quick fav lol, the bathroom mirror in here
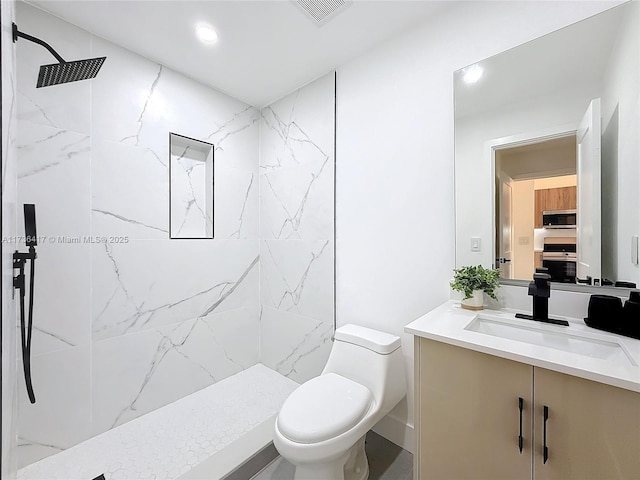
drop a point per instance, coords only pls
(190, 187)
(547, 154)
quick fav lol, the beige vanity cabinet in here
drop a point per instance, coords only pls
(593, 429)
(481, 417)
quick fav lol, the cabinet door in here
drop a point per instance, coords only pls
(468, 414)
(593, 430)
(539, 207)
(562, 198)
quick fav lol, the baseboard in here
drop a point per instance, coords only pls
(396, 431)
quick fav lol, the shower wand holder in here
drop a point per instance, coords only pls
(19, 261)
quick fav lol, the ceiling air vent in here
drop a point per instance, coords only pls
(321, 11)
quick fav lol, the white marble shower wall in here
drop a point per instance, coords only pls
(297, 164)
(9, 243)
(125, 319)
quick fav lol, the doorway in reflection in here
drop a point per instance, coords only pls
(536, 203)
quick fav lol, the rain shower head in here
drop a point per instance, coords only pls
(65, 72)
(62, 72)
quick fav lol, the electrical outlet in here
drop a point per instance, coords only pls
(523, 240)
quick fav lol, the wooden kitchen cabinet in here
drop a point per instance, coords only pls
(468, 420)
(537, 259)
(563, 198)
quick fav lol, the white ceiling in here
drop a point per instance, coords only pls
(266, 48)
(572, 57)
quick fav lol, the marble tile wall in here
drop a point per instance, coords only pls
(125, 319)
(297, 245)
(9, 244)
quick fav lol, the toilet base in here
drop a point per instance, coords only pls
(353, 465)
(357, 466)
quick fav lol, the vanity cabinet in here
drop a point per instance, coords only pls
(479, 416)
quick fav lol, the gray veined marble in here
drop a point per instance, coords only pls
(297, 276)
(191, 189)
(132, 372)
(41, 111)
(140, 121)
(290, 135)
(297, 230)
(297, 164)
(57, 337)
(290, 297)
(9, 137)
(238, 123)
(128, 220)
(293, 210)
(126, 301)
(304, 348)
(238, 233)
(131, 204)
(166, 344)
(66, 145)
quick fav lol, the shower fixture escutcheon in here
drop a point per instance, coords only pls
(63, 71)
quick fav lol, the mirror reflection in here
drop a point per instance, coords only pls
(548, 155)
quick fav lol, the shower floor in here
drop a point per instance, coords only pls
(215, 429)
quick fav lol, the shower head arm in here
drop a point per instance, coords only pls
(17, 33)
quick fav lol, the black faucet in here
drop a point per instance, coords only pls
(540, 290)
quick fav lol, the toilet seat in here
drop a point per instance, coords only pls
(323, 408)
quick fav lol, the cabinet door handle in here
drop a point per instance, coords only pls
(520, 406)
(545, 450)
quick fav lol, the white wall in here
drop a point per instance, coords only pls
(621, 142)
(394, 155)
(9, 245)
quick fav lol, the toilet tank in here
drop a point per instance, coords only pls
(373, 359)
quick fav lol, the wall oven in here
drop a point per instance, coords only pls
(560, 257)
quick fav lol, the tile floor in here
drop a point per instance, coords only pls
(387, 461)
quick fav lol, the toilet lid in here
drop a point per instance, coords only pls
(322, 408)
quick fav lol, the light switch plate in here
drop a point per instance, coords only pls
(475, 244)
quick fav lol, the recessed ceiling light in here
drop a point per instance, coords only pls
(206, 33)
(472, 74)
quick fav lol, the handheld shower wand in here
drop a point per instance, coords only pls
(19, 261)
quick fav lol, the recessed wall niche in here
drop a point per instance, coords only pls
(190, 187)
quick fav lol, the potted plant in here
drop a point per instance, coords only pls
(472, 282)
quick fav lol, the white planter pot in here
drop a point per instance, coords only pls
(475, 302)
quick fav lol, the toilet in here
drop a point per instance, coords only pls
(322, 425)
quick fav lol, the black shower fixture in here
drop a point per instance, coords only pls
(19, 261)
(62, 72)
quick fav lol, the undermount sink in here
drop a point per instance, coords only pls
(558, 338)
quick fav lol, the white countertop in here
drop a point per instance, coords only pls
(448, 322)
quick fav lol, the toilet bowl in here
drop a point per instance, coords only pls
(322, 425)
